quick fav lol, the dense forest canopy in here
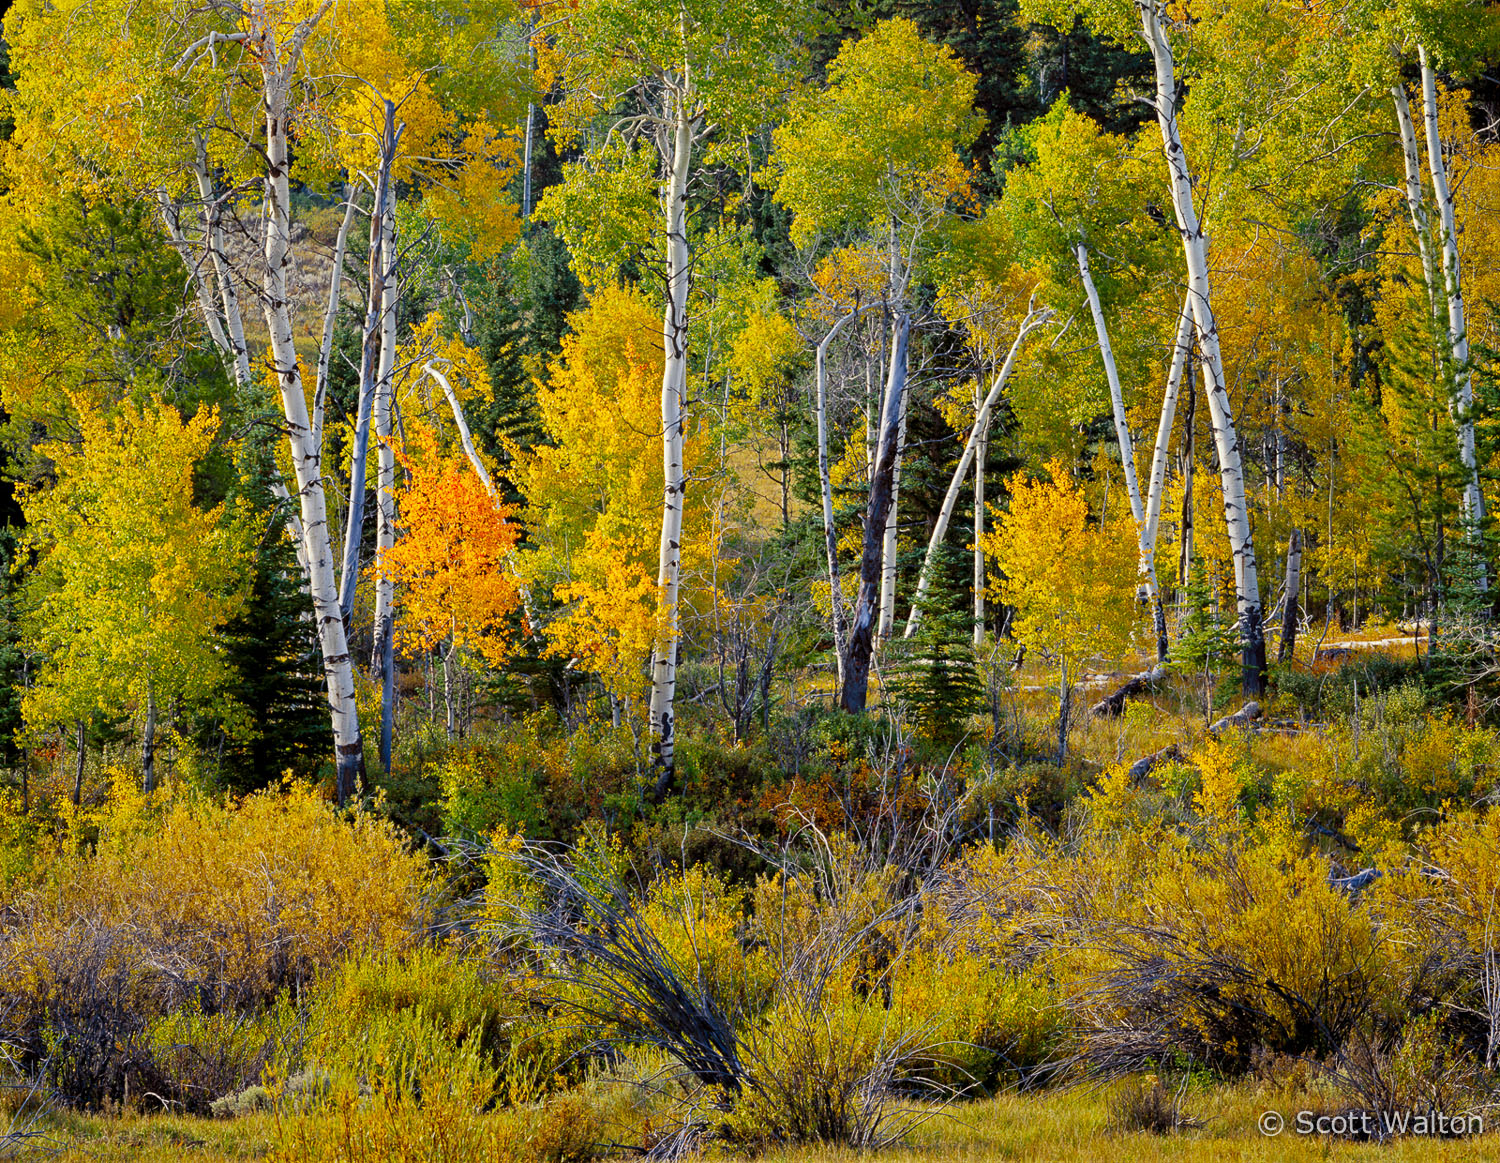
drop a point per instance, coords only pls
(511, 419)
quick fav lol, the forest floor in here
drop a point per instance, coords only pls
(1062, 1126)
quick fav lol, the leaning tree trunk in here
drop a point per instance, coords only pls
(383, 660)
(1034, 320)
(866, 608)
(1195, 249)
(1411, 159)
(1127, 450)
(1458, 328)
(306, 453)
(673, 395)
(825, 484)
(1158, 483)
(1286, 649)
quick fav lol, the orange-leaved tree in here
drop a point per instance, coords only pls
(451, 564)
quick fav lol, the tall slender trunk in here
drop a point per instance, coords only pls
(331, 310)
(981, 455)
(1189, 514)
(306, 455)
(1064, 711)
(1195, 250)
(81, 735)
(369, 363)
(673, 395)
(825, 484)
(148, 743)
(1156, 488)
(383, 661)
(1416, 209)
(1458, 327)
(526, 164)
(1146, 550)
(1034, 320)
(890, 546)
(866, 608)
(229, 298)
(1286, 648)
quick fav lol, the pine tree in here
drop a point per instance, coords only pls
(1205, 643)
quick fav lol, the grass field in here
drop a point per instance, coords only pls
(1063, 1126)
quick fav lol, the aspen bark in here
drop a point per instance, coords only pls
(1226, 440)
(148, 743)
(383, 660)
(1287, 646)
(331, 311)
(238, 351)
(673, 393)
(1034, 319)
(1157, 484)
(856, 689)
(277, 69)
(825, 483)
(1458, 327)
(981, 454)
(890, 546)
(1415, 207)
(1127, 451)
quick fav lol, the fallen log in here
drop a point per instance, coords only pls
(1112, 706)
(1143, 766)
(1356, 884)
(1241, 718)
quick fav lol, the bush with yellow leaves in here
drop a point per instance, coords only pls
(191, 899)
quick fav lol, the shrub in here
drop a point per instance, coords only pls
(1146, 1105)
(192, 902)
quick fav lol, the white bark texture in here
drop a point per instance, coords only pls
(278, 66)
(981, 454)
(1458, 327)
(383, 661)
(1195, 249)
(825, 482)
(1156, 486)
(673, 393)
(890, 546)
(1035, 319)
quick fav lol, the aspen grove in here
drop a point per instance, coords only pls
(589, 578)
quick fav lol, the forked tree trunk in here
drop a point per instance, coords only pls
(1286, 648)
(1156, 487)
(1195, 250)
(1034, 320)
(866, 608)
(673, 394)
(1458, 327)
(277, 70)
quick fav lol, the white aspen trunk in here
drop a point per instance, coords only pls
(1412, 162)
(825, 483)
(1112, 375)
(463, 431)
(1034, 319)
(1156, 487)
(213, 238)
(379, 270)
(673, 394)
(1458, 328)
(331, 312)
(889, 547)
(172, 219)
(305, 454)
(148, 742)
(1195, 249)
(1286, 647)
(1127, 452)
(383, 662)
(866, 608)
(981, 454)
